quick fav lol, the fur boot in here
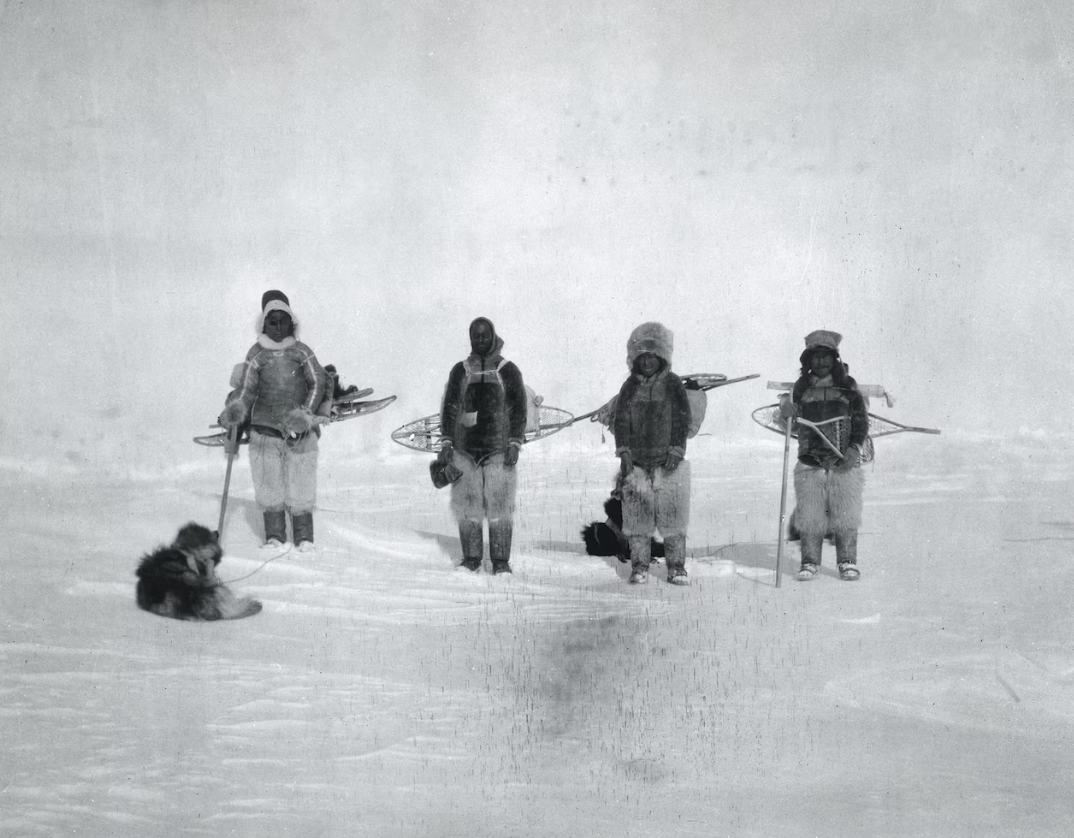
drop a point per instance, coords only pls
(473, 544)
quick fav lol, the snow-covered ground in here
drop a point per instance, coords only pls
(382, 692)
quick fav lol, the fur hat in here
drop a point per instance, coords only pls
(275, 301)
(823, 339)
(650, 337)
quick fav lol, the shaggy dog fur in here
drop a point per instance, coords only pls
(827, 501)
(605, 538)
(180, 581)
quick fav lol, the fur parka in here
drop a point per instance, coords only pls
(282, 385)
(485, 406)
(821, 400)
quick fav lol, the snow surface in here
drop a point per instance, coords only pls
(744, 172)
(384, 692)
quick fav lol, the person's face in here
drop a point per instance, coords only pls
(481, 338)
(822, 363)
(648, 364)
(278, 325)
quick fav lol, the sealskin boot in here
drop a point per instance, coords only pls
(275, 527)
(473, 544)
(641, 553)
(302, 527)
(811, 547)
(675, 555)
(846, 555)
(500, 532)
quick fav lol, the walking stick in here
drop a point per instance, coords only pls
(232, 448)
(783, 500)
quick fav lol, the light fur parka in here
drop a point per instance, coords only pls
(279, 378)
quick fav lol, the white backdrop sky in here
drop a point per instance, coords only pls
(745, 172)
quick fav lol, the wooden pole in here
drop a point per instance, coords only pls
(232, 448)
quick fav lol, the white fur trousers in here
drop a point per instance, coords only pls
(483, 491)
(660, 502)
(284, 476)
(827, 501)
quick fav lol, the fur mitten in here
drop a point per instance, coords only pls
(298, 421)
(234, 414)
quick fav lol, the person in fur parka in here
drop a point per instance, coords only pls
(828, 487)
(483, 426)
(652, 420)
(281, 385)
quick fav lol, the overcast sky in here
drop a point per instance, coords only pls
(744, 172)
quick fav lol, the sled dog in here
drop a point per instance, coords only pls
(180, 581)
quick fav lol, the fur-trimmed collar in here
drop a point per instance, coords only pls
(265, 342)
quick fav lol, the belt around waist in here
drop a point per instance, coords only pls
(267, 431)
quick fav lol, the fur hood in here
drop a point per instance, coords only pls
(275, 301)
(650, 337)
(496, 353)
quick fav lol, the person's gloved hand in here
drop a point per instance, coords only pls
(444, 456)
(851, 459)
(787, 408)
(234, 414)
(298, 422)
(233, 440)
(510, 456)
(672, 461)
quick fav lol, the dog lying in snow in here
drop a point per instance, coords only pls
(180, 581)
(607, 539)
